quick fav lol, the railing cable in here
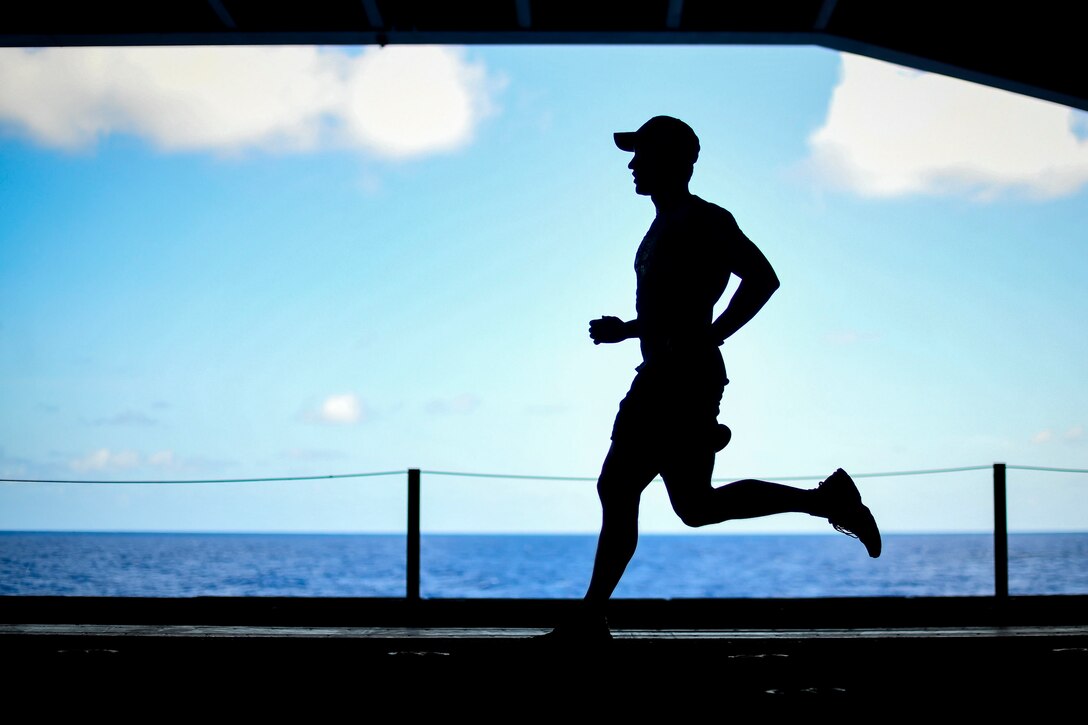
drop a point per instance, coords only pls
(215, 480)
(532, 477)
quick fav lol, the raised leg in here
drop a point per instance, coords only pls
(698, 503)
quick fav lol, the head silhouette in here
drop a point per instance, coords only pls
(666, 150)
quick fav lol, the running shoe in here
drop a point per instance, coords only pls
(846, 512)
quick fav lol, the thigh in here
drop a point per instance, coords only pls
(627, 470)
(687, 471)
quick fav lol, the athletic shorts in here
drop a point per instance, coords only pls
(672, 406)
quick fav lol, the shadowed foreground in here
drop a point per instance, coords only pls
(138, 658)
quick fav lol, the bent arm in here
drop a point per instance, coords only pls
(747, 301)
(758, 282)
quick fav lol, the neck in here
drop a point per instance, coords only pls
(671, 199)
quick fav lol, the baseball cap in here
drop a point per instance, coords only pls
(662, 133)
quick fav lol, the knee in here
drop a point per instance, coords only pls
(611, 491)
(693, 514)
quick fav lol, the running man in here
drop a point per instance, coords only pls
(667, 423)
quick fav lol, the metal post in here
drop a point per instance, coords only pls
(1001, 535)
(412, 565)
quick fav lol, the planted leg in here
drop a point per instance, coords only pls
(624, 476)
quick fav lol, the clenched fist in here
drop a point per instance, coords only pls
(608, 329)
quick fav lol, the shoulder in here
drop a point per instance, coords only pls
(713, 211)
(715, 219)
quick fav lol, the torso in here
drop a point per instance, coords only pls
(682, 269)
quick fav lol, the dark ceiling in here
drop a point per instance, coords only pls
(1035, 48)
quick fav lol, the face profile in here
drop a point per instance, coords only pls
(655, 172)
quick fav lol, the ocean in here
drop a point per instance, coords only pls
(529, 566)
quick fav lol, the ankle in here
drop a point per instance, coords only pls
(818, 505)
(592, 609)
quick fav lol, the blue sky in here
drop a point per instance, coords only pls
(247, 262)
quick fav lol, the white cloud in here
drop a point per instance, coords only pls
(165, 459)
(1075, 433)
(891, 131)
(415, 100)
(341, 409)
(1043, 436)
(396, 101)
(15, 467)
(104, 459)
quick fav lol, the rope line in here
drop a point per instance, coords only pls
(214, 480)
(881, 474)
(466, 474)
(522, 476)
(1045, 468)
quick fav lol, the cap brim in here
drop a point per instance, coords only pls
(626, 140)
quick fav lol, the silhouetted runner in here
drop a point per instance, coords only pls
(667, 423)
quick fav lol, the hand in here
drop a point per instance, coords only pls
(608, 329)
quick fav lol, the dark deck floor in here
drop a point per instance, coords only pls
(931, 659)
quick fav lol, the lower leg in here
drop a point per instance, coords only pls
(835, 499)
(625, 474)
(615, 547)
(750, 499)
(698, 503)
